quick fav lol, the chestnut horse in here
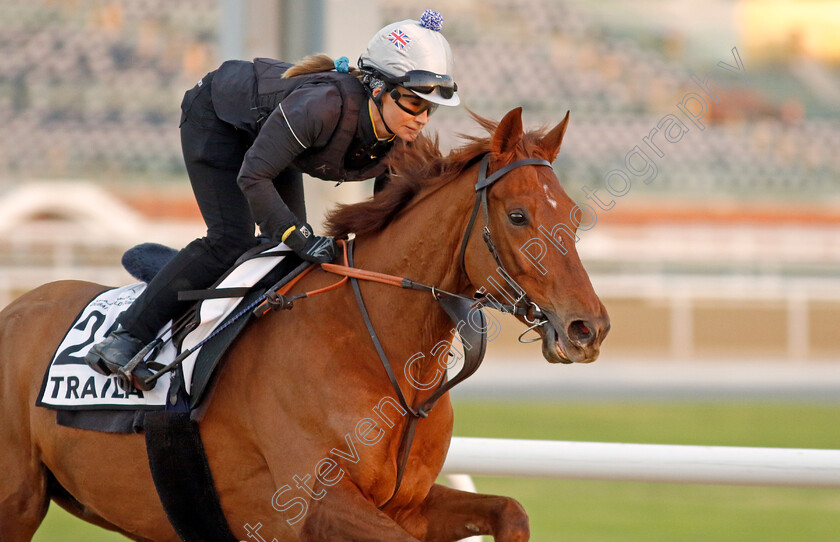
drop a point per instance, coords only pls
(300, 442)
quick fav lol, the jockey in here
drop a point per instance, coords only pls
(248, 131)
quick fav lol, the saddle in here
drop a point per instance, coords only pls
(187, 350)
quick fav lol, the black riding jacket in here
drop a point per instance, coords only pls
(318, 124)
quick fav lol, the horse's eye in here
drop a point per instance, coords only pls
(518, 218)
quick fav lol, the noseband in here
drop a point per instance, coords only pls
(522, 306)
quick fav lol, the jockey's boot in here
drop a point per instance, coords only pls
(115, 352)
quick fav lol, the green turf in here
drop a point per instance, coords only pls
(782, 424)
(587, 511)
(59, 526)
(584, 511)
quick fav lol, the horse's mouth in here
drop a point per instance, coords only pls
(557, 347)
(552, 345)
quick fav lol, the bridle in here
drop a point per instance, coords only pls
(522, 306)
(455, 305)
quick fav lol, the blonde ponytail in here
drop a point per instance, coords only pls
(315, 64)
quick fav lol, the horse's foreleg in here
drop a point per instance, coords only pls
(345, 515)
(451, 514)
(23, 496)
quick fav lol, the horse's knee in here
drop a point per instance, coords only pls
(511, 521)
(22, 510)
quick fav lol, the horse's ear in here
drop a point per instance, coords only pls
(553, 139)
(508, 133)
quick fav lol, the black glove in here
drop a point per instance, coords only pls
(310, 247)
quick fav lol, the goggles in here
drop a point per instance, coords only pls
(410, 106)
(425, 82)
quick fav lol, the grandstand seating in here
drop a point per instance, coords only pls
(92, 89)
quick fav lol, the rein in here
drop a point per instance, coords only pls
(455, 305)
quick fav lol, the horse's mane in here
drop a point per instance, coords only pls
(415, 167)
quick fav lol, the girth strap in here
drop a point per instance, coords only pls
(183, 479)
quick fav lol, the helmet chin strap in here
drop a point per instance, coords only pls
(378, 102)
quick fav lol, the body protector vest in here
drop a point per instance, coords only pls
(266, 88)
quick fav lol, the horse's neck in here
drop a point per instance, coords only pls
(424, 241)
(422, 244)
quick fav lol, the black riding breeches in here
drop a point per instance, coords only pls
(213, 153)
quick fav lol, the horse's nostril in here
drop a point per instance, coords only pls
(580, 332)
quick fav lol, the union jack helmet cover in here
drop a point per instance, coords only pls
(412, 45)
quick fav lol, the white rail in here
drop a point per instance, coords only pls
(723, 465)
